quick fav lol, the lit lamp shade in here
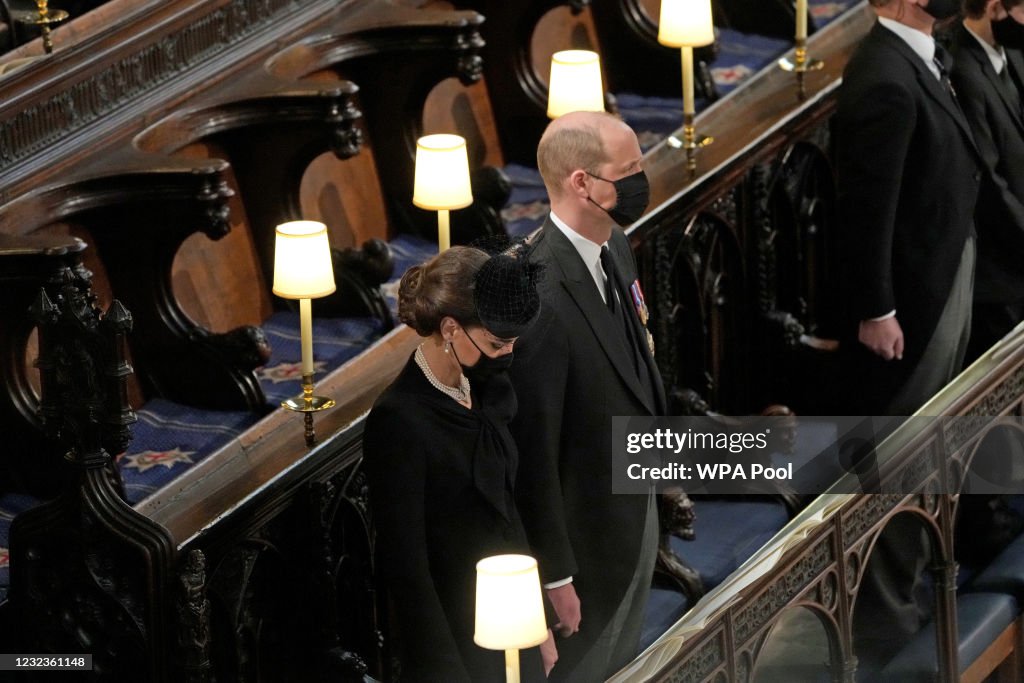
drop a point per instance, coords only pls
(302, 261)
(686, 23)
(509, 607)
(442, 173)
(575, 83)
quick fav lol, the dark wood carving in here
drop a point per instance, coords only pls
(271, 131)
(31, 463)
(358, 275)
(345, 587)
(193, 620)
(519, 94)
(143, 63)
(88, 573)
(295, 597)
(698, 309)
(138, 220)
(398, 56)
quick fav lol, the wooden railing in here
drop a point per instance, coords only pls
(819, 559)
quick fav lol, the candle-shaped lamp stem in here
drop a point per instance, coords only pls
(511, 666)
(444, 238)
(688, 106)
(801, 20)
(306, 335)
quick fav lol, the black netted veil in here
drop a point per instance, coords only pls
(505, 293)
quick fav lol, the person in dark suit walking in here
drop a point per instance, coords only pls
(587, 358)
(908, 176)
(989, 79)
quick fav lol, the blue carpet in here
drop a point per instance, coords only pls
(335, 341)
(169, 438)
(528, 204)
(408, 251)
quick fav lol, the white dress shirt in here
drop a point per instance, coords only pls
(921, 43)
(589, 251)
(996, 55)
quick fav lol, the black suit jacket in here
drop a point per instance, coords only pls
(441, 481)
(572, 374)
(998, 127)
(908, 177)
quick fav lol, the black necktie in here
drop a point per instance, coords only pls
(609, 273)
(943, 61)
(1011, 87)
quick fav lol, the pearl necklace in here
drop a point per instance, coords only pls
(459, 393)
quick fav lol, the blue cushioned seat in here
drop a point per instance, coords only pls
(664, 607)
(728, 532)
(981, 618)
(1005, 574)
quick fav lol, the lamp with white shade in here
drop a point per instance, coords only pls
(303, 271)
(575, 83)
(687, 24)
(442, 179)
(509, 608)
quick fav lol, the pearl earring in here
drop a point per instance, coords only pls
(447, 346)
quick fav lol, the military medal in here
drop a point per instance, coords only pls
(639, 303)
(641, 311)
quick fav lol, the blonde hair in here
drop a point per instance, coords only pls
(565, 148)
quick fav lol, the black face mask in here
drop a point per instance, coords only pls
(1008, 33)
(485, 367)
(942, 9)
(632, 194)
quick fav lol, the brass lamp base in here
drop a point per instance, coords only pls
(44, 20)
(801, 64)
(308, 404)
(691, 142)
(810, 64)
(314, 405)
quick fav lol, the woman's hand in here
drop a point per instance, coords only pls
(549, 653)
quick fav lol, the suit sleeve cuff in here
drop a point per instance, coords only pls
(890, 314)
(558, 584)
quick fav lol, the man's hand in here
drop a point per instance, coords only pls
(567, 607)
(549, 653)
(883, 337)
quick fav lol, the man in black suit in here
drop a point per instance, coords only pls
(989, 78)
(908, 177)
(585, 360)
(908, 174)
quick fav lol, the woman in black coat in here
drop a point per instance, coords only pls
(442, 463)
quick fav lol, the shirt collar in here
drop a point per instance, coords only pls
(996, 55)
(589, 251)
(921, 43)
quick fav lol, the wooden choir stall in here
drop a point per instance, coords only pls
(160, 510)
